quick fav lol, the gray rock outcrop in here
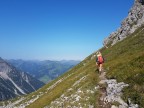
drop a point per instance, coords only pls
(134, 20)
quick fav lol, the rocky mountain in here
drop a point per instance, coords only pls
(15, 83)
(121, 84)
(133, 21)
(46, 70)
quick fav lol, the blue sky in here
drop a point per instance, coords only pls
(57, 29)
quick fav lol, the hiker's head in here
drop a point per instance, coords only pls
(98, 53)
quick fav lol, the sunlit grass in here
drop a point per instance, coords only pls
(125, 62)
(85, 68)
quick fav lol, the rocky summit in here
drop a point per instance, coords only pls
(134, 20)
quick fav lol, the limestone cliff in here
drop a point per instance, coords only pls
(133, 21)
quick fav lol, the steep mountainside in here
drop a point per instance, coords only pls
(15, 83)
(80, 87)
(46, 70)
(125, 62)
(121, 85)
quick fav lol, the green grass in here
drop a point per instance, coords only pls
(125, 62)
(85, 68)
(78, 72)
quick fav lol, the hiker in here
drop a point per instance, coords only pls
(99, 61)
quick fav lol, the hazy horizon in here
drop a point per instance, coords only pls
(41, 60)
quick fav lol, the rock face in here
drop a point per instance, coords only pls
(133, 21)
(14, 83)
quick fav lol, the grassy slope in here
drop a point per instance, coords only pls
(78, 72)
(125, 62)
(85, 68)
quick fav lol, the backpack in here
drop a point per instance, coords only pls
(100, 59)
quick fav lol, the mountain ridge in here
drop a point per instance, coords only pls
(46, 70)
(134, 20)
(15, 83)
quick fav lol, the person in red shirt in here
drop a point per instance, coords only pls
(99, 61)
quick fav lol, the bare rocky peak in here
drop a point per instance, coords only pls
(4, 66)
(134, 20)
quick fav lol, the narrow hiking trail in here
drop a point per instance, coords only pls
(111, 92)
(102, 90)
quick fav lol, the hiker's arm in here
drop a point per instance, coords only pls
(96, 59)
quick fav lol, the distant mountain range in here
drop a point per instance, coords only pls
(14, 82)
(46, 70)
